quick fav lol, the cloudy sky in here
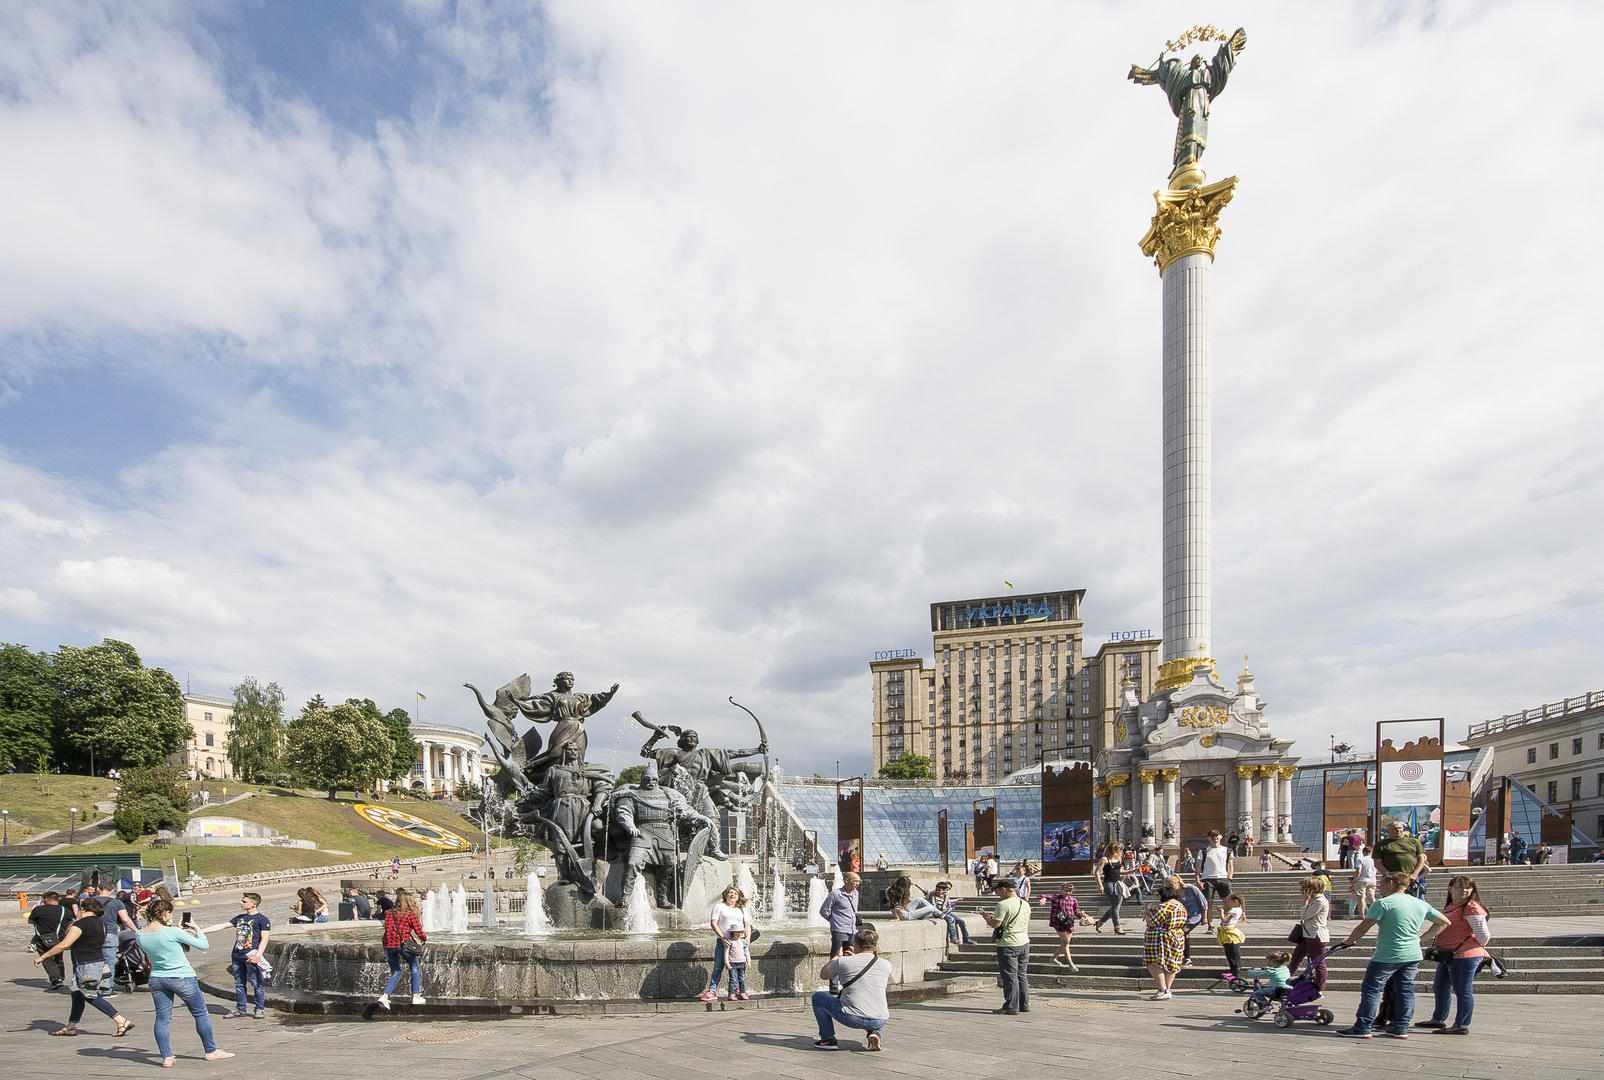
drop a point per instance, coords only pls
(376, 347)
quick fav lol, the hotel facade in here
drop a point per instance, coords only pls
(1008, 687)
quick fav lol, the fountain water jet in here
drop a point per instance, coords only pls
(459, 911)
(638, 917)
(778, 908)
(816, 894)
(746, 883)
(426, 917)
(535, 921)
(488, 914)
(835, 877)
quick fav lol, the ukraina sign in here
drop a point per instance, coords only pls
(1028, 610)
(413, 828)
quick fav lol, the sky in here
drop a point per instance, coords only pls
(378, 347)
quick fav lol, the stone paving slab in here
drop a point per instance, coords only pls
(1090, 1036)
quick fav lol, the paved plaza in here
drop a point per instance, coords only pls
(1067, 1033)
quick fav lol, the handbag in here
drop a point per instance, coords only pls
(411, 946)
(1297, 933)
(1437, 955)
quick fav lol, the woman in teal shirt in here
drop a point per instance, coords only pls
(171, 976)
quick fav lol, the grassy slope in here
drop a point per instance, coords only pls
(33, 810)
(330, 824)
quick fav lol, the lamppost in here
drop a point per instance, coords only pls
(72, 823)
(5, 826)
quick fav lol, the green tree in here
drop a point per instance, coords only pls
(631, 774)
(256, 730)
(908, 767)
(404, 749)
(28, 702)
(345, 746)
(156, 795)
(108, 699)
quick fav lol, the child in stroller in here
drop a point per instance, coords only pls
(1284, 998)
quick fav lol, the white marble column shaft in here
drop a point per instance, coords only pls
(1244, 809)
(1188, 442)
(1269, 810)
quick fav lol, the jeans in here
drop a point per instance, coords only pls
(246, 976)
(718, 966)
(395, 956)
(1375, 980)
(957, 929)
(828, 1012)
(837, 943)
(737, 978)
(1458, 977)
(1011, 967)
(920, 908)
(162, 991)
(108, 953)
(1115, 900)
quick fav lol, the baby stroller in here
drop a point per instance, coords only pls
(1302, 1000)
(133, 965)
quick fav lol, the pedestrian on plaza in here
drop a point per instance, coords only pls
(880, 863)
(1362, 891)
(383, 902)
(1219, 867)
(117, 920)
(85, 940)
(251, 930)
(401, 926)
(1402, 922)
(1466, 937)
(905, 905)
(862, 978)
(941, 899)
(1196, 905)
(1023, 879)
(49, 921)
(361, 908)
(979, 870)
(1277, 973)
(309, 907)
(172, 977)
(1233, 840)
(991, 869)
(1110, 876)
(1164, 940)
(1400, 853)
(840, 910)
(1311, 934)
(1063, 914)
(1230, 935)
(1264, 862)
(729, 915)
(1011, 921)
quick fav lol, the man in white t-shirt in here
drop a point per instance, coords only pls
(1362, 893)
(1219, 866)
(862, 1004)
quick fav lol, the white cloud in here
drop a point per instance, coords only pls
(703, 351)
(24, 605)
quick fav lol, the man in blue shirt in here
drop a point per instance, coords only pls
(116, 919)
(1402, 922)
(251, 931)
(840, 910)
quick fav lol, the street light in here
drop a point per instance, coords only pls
(5, 826)
(72, 823)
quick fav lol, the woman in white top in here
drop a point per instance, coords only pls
(1315, 922)
(729, 914)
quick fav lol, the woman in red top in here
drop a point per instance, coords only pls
(400, 926)
(1465, 934)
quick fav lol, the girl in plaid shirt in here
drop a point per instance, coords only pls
(401, 925)
(1063, 912)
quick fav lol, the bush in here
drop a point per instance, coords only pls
(156, 813)
(130, 825)
(157, 794)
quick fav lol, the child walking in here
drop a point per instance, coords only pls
(736, 957)
(1230, 935)
(1275, 970)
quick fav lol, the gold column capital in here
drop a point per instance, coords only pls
(1147, 776)
(1170, 775)
(1187, 222)
(1245, 772)
(1287, 772)
(1119, 780)
(1267, 770)
(1100, 790)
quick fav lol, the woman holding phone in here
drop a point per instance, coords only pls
(172, 977)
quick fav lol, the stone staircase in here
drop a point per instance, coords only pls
(1548, 965)
(1527, 891)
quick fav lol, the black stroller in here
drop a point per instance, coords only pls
(133, 965)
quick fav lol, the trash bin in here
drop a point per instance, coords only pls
(347, 911)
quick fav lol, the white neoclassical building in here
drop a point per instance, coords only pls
(449, 756)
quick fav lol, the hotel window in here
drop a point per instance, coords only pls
(1576, 746)
(1531, 755)
(1576, 787)
(1553, 750)
(1553, 792)
(1601, 783)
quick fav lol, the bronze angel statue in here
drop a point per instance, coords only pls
(1191, 86)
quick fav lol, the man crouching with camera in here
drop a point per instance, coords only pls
(862, 1003)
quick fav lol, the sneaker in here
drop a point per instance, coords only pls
(873, 1042)
(826, 1044)
(1396, 1034)
(1354, 1033)
(1162, 995)
(418, 999)
(384, 1001)
(709, 995)
(259, 1014)
(238, 1014)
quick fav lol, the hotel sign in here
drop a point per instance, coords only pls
(896, 654)
(1028, 610)
(1132, 635)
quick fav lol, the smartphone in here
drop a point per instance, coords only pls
(187, 916)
